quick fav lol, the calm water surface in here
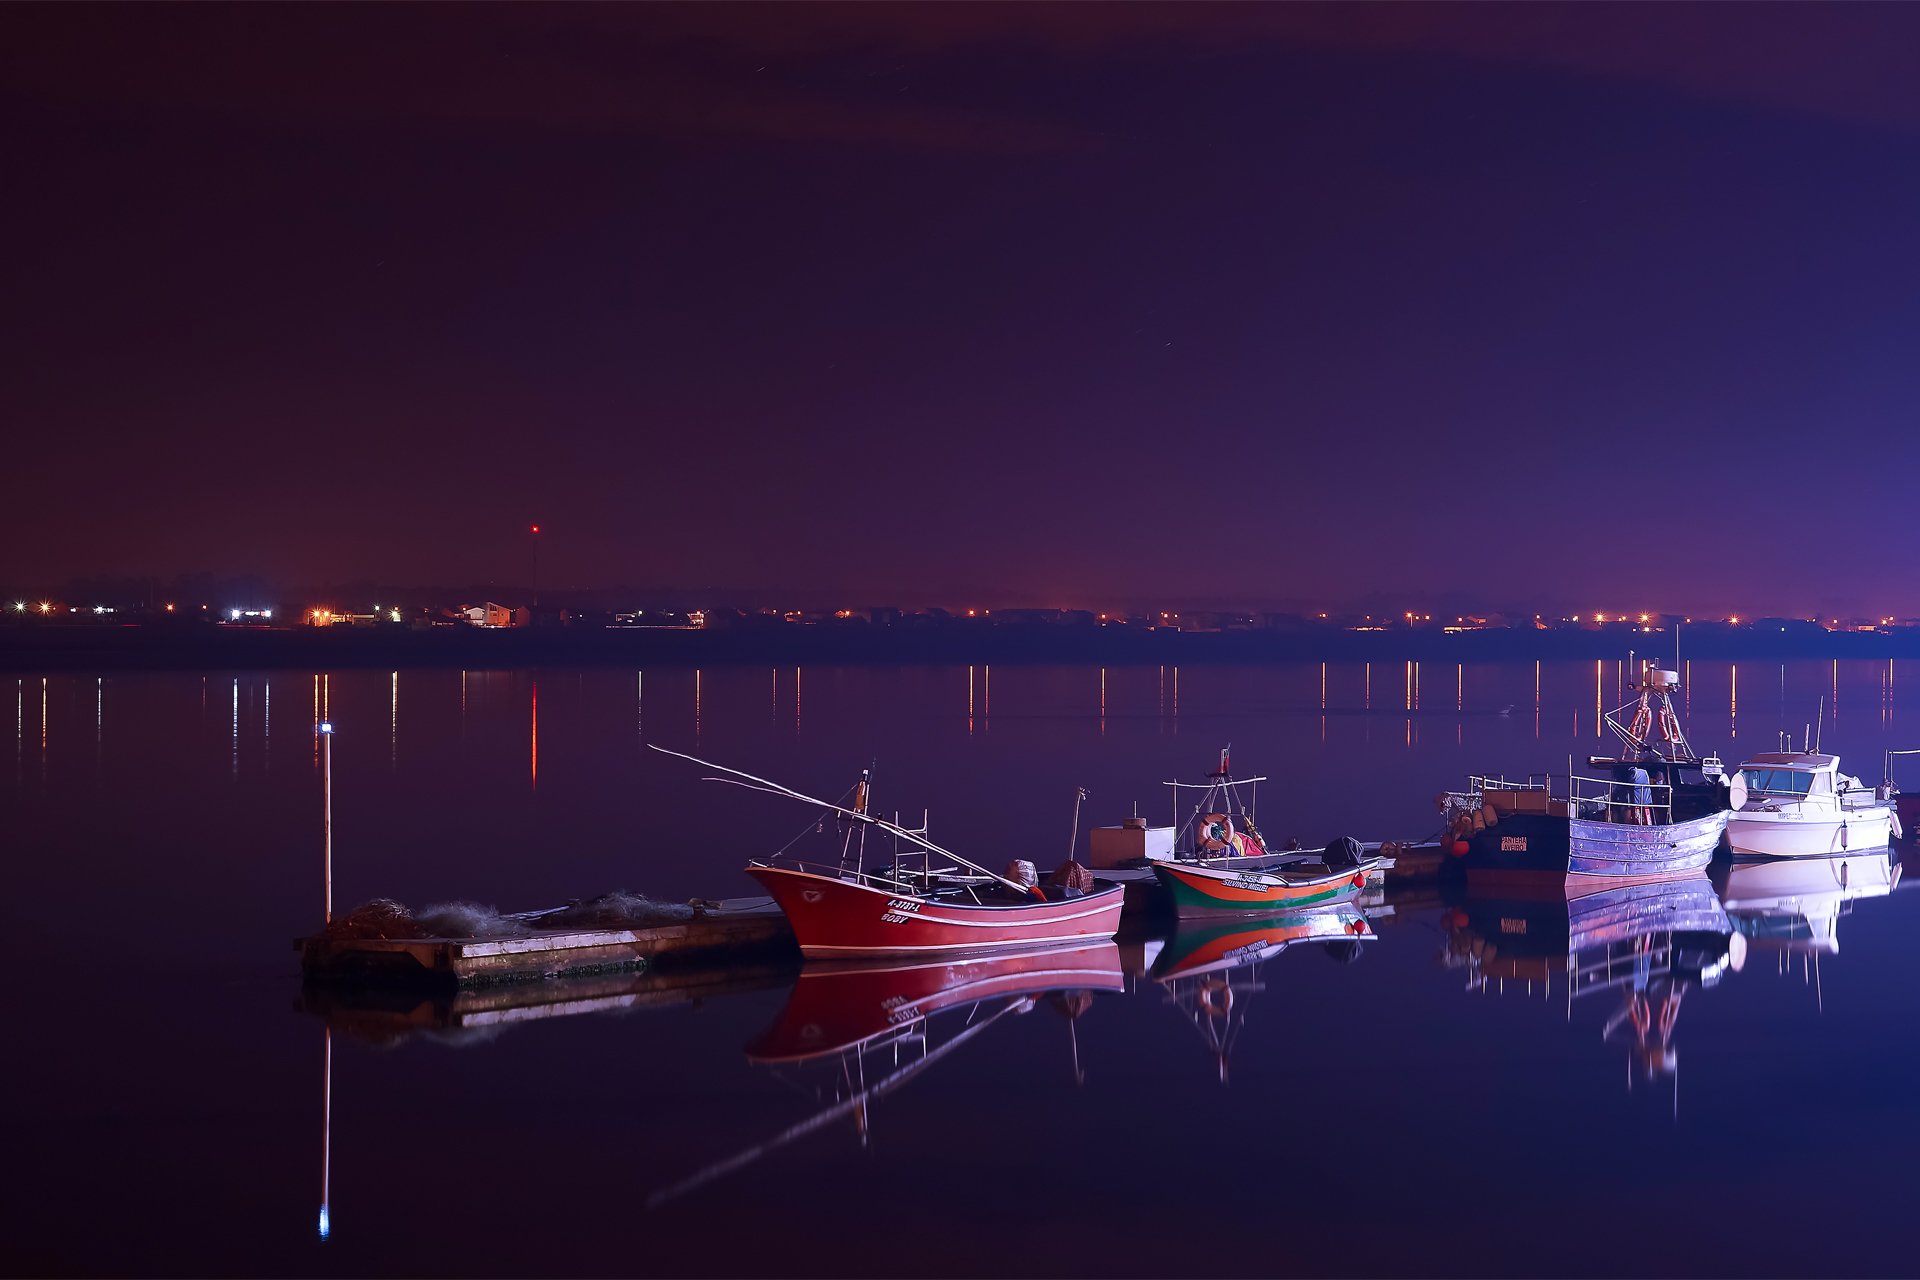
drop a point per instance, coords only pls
(1432, 1101)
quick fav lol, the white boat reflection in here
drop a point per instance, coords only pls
(1795, 905)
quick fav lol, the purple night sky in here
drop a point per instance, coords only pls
(1614, 306)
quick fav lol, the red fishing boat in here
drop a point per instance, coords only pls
(911, 906)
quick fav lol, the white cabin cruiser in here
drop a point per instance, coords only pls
(1797, 804)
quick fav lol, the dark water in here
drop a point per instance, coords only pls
(1434, 1106)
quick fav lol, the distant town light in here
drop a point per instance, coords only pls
(46, 606)
(326, 726)
(169, 608)
(19, 606)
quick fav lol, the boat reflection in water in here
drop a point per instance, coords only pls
(1793, 906)
(862, 1030)
(1211, 973)
(1643, 946)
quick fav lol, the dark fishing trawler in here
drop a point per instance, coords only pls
(1656, 811)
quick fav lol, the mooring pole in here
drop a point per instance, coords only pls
(326, 811)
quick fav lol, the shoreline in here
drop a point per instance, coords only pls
(137, 648)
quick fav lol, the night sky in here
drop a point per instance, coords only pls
(1617, 307)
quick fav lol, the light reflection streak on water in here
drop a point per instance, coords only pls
(236, 727)
(533, 739)
(640, 704)
(1733, 702)
(316, 722)
(696, 702)
(393, 725)
(986, 697)
(266, 724)
(1103, 702)
(969, 701)
(1599, 700)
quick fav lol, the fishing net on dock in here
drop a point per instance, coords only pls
(617, 910)
(467, 920)
(380, 918)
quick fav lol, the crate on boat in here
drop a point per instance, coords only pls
(1128, 843)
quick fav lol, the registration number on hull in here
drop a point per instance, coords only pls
(900, 910)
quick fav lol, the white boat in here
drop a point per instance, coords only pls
(1797, 804)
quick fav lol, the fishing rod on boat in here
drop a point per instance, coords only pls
(751, 783)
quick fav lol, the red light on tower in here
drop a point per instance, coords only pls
(535, 529)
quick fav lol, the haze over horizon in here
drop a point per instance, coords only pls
(1290, 305)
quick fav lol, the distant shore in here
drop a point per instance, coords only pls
(110, 648)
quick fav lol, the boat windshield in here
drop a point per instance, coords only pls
(1788, 782)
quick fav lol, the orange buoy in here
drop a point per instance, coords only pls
(1460, 848)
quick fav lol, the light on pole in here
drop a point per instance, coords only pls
(533, 542)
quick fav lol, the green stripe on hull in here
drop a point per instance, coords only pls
(1186, 895)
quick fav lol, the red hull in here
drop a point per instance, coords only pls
(834, 917)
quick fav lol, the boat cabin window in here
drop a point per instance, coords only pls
(1789, 782)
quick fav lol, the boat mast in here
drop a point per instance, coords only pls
(754, 783)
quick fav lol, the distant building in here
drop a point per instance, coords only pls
(487, 615)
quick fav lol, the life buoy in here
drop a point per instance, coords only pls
(1216, 832)
(1216, 998)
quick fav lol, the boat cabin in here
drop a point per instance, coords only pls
(1794, 775)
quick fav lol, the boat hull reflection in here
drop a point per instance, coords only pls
(1211, 972)
(1796, 904)
(837, 1006)
(1646, 945)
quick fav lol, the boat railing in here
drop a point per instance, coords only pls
(901, 877)
(1484, 782)
(1618, 800)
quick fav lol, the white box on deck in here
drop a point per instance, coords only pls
(1109, 847)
